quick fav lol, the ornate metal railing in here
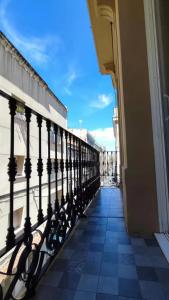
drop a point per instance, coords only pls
(27, 256)
(109, 168)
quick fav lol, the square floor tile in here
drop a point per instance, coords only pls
(165, 288)
(53, 293)
(140, 250)
(136, 241)
(52, 278)
(125, 249)
(108, 269)
(129, 288)
(151, 242)
(44, 292)
(152, 290)
(92, 267)
(108, 285)
(154, 251)
(102, 296)
(88, 283)
(81, 295)
(69, 280)
(159, 261)
(127, 271)
(79, 254)
(94, 256)
(147, 273)
(76, 266)
(163, 275)
(110, 246)
(66, 253)
(126, 259)
(110, 257)
(60, 265)
(99, 240)
(124, 298)
(143, 260)
(97, 247)
(124, 240)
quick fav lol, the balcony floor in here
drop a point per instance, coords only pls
(102, 262)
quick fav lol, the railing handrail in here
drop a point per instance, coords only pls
(23, 104)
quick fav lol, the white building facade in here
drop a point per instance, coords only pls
(21, 81)
(117, 142)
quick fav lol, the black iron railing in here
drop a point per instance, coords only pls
(26, 256)
(109, 168)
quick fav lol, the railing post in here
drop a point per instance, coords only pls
(80, 197)
(40, 170)
(74, 164)
(12, 170)
(56, 168)
(28, 170)
(115, 169)
(67, 169)
(70, 166)
(49, 171)
(62, 167)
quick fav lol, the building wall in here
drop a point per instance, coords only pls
(119, 26)
(16, 80)
(138, 174)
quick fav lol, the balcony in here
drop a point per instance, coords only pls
(78, 249)
(59, 178)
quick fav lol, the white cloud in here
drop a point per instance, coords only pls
(36, 49)
(102, 101)
(70, 78)
(67, 91)
(104, 137)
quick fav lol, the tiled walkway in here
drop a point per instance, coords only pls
(101, 262)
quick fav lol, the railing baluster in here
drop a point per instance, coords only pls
(77, 167)
(62, 168)
(80, 176)
(67, 169)
(70, 166)
(74, 164)
(28, 170)
(56, 167)
(12, 170)
(40, 170)
(49, 171)
(71, 206)
(115, 171)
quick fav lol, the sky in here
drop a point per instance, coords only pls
(57, 40)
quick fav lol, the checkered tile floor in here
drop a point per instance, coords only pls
(102, 262)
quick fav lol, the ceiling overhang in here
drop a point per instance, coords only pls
(102, 15)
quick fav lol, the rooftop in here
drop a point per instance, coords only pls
(27, 67)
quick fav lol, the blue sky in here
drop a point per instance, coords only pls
(56, 38)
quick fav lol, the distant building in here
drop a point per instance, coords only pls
(115, 120)
(85, 135)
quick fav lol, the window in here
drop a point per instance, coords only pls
(53, 170)
(20, 165)
(17, 217)
(20, 112)
(52, 136)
